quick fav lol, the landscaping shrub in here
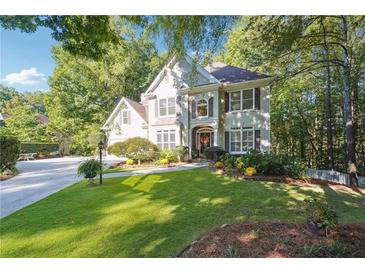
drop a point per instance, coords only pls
(137, 148)
(320, 214)
(182, 152)
(89, 169)
(163, 161)
(273, 164)
(229, 161)
(170, 154)
(219, 165)
(194, 153)
(9, 152)
(44, 148)
(130, 162)
(240, 165)
(250, 171)
(214, 153)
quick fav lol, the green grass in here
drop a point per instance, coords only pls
(119, 169)
(154, 215)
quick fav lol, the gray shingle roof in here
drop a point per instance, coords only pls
(230, 74)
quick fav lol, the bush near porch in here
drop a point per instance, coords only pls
(264, 164)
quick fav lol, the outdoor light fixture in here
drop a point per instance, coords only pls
(100, 146)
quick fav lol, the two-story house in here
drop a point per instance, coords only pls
(189, 105)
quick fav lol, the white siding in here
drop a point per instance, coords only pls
(133, 129)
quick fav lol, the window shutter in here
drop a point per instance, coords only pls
(226, 101)
(257, 98)
(210, 106)
(257, 139)
(226, 141)
(193, 109)
(156, 108)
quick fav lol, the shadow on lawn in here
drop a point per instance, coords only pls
(156, 215)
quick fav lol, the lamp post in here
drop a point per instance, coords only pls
(100, 146)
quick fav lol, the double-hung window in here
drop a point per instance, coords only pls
(167, 106)
(125, 118)
(166, 139)
(241, 139)
(242, 100)
(236, 140)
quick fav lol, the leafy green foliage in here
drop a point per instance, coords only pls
(182, 152)
(163, 161)
(219, 165)
(137, 148)
(229, 160)
(38, 147)
(9, 151)
(24, 123)
(171, 155)
(130, 162)
(89, 169)
(81, 35)
(320, 214)
(214, 153)
(83, 91)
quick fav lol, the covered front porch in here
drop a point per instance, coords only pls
(202, 137)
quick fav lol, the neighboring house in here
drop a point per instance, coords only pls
(189, 105)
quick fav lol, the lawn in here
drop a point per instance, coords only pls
(119, 169)
(155, 215)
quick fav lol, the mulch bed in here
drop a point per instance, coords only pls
(288, 180)
(278, 240)
(6, 176)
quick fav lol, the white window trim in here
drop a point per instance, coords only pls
(128, 113)
(241, 130)
(241, 101)
(169, 132)
(167, 107)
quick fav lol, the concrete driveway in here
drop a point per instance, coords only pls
(37, 180)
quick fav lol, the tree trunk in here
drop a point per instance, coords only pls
(349, 133)
(328, 103)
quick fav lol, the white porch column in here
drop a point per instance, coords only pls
(215, 141)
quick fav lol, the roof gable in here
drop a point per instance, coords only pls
(137, 107)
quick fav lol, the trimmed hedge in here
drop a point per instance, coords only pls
(214, 153)
(38, 147)
(136, 148)
(9, 151)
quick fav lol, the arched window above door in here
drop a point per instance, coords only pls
(202, 108)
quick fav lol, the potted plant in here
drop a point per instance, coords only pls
(89, 169)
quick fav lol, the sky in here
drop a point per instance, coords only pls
(26, 59)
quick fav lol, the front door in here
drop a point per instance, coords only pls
(204, 140)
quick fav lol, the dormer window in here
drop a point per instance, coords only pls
(167, 106)
(202, 108)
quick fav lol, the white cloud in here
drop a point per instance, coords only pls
(25, 77)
